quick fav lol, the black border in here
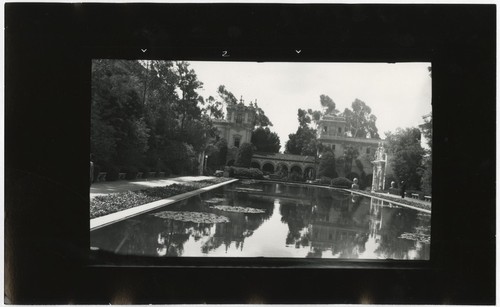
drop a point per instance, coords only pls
(47, 77)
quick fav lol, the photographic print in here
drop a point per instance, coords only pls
(268, 159)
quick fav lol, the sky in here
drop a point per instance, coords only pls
(399, 94)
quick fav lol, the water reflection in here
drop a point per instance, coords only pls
(298, 221)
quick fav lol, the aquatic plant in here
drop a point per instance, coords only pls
(237, 209)
(195, 217)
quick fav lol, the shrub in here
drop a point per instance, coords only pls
(244, 157)
(112, 173)
(325, 180)
(97, 170)
(341, 182)
(327, 165)
(131, 172)
(241, 172)
(145, 171)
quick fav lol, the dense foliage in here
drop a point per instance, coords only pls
(341, 182)
(426, 181)
(304, 141)
(360, 122)
(244, 156)
(148, 114)
(406, 154)
(265, 141)
(327, 165)
(241, 172)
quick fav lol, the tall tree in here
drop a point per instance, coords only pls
(265, 141)
(406, 154)
(328, 105)
(426, 182)
(117, 108)
(227, 97)
(304, 141)
(244, 156)
(360, 122)
(213, 108)
(327, 165)
(350, 154)
(260, 119)
(187, 107)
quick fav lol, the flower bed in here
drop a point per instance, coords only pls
(106, 204)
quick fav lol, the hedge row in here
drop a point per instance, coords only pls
(245, 173)
(106, 204)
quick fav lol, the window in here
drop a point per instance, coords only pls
(239, 118)
(367, 150)
(333, 147)
(237, 141)
(340, 130)
(325, 128)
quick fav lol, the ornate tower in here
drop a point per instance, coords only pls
(238, 126)
(379, 168)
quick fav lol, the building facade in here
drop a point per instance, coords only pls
(237, 127)
(332, 133)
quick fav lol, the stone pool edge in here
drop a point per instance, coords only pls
(115, 217)
(351, 191)
(390, 201)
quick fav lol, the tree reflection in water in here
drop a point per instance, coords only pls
(241, 225)
(322, 222)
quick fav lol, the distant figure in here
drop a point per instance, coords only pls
(355, 185)
(91, 169)
(403, 189)
(393, 185)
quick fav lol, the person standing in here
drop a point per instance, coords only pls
(403, 189)
(355, 185)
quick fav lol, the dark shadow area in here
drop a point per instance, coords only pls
(48, 52)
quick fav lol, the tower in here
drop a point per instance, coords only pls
(239, 123)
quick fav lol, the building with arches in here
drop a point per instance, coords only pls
(333, 134)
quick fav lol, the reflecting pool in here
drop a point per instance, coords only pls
(257, 219)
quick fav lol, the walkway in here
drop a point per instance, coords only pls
(425, 203)
(107, 187)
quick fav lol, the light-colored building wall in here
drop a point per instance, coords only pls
(333, 135)
(237, 128)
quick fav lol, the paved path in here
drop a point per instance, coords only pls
(427, 203)
(103, 188)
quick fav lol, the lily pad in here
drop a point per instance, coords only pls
(215, 200)
(195, 217)
(237, 209)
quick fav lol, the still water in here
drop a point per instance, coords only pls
(252, 219)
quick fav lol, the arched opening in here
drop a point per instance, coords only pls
(255, 165)
(230, 162)
(296, 169)
(268, 168)
(310, 173)
(296, 173)
(282, 170)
